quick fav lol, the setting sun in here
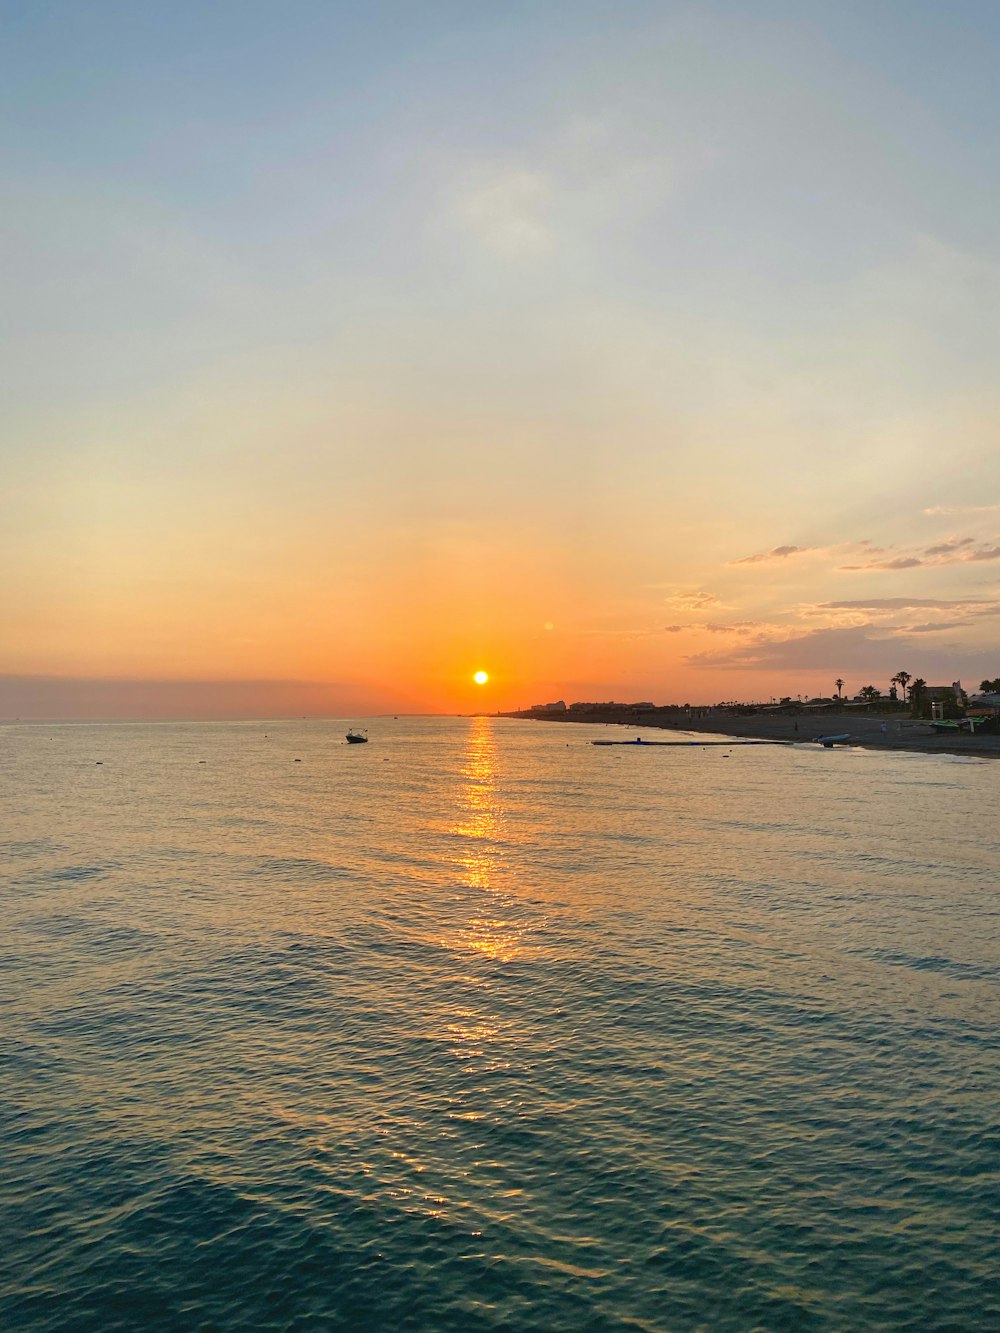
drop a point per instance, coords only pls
(480, 677)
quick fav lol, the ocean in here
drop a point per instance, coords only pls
(481, 1027)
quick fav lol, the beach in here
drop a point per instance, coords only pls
(901, 733)
(862, 729)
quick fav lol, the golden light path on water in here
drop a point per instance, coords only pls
(479, 1034)
(482, 830)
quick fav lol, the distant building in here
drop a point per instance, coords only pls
(944, 697)
(558, 707)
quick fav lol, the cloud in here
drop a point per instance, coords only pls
(898, 603)
(885, 611)
(863, 650)
(508, 215)
(629, 632)
(887, 608)
(778, 553)
(953, 544)
(900, 562)
(579, 186)
(954, 551)
(961, 509)
(695, 601)
(823, 649)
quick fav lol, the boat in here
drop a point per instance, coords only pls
(355, 737)
(830, 741)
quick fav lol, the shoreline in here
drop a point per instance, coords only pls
(902, 733)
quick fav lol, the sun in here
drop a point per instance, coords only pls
(480, 677)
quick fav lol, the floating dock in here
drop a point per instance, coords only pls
(700, 744)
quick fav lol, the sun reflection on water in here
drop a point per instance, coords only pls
(480, 829)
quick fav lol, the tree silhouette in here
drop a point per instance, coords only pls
(840, 685)
(902, 679)
(918, 693)
(869, 693)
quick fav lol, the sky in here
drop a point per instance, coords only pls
(623, 351)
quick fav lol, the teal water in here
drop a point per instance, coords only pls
(479, 1027)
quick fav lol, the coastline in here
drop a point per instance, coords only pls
(864, 731)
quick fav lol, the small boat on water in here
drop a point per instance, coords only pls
(356, 737)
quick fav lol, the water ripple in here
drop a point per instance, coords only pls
(483, 1038)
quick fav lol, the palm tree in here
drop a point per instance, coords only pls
(869, 693)
(917, 691)
(840, 685)
(902, 679)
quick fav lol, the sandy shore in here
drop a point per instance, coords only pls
(901, 733)
(864, 730)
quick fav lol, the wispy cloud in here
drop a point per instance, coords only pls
(816, 649)
(740, 627)
(693, 601)
(777, 553)
(936, 510)
(565, 190)
(629, 632)
(863, 650)
(947, 547)
(900, 562)
(509, 214)
(886, 611)
(897, 603)
(954, 551)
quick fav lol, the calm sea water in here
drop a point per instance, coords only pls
(479, 1027)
